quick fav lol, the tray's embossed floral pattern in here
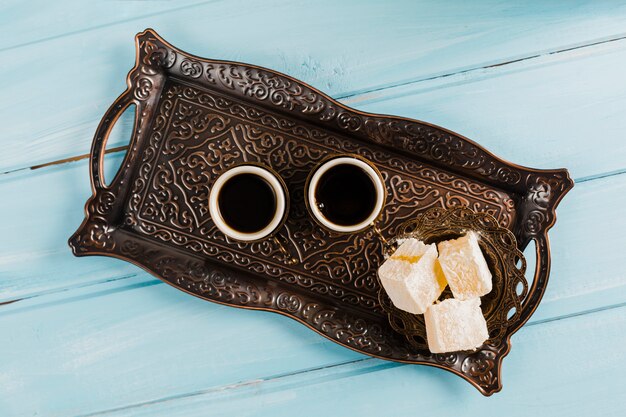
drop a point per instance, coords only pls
(196, 117)
(503, 305)
(200, 134)
(364, 334)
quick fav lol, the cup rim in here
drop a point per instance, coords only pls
(277, 185)
(324, 166)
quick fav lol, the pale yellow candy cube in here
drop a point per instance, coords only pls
(464, 267)
(454, 325)
(412, 276)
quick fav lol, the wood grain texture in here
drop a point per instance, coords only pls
(539, 382)
(134, 339)
(127, 341)
(19, 26)
(37, 260)
(118, 352)
(60, 192)
(557, 110)
(378, 49)
(132, 342)
(79, 336)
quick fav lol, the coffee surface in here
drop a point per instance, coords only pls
(247, 203)
(345, 195)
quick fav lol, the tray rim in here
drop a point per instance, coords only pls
(130, 96)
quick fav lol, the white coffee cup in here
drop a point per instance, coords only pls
(280, 198)
(314, 181)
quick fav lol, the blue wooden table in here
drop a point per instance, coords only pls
(538, 83)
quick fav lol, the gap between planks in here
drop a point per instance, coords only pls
(123, 148)
(367, 364)
(569, 51)
(357, 366)
(360, 366)
(386, 92)
(79, 286)
(73, 158)
(109, 24)
(290, 379)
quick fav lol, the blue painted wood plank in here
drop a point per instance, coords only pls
(487, 29)
(557, 110)
(126, 341)
(60, 192)
(106, 345)
(133, 340)
(572, 367)
(531, 123)
(19, 25)
(181, 355)
(427, 40)
(41, 209)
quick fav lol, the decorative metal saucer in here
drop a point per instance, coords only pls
(503, 306)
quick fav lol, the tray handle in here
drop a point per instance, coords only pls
(540, 278)
(96, 157)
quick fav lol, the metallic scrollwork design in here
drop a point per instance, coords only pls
(502, 254)
(481, 367)
(97, 233)
(142, 88)
(191, 68)
(156, 55)
(207, 133)
(449, 359)
(289, 302)
(102, 204)
(197, 117)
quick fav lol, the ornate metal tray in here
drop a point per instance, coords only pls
(196, 117)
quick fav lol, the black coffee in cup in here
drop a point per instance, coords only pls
(247, 203)
(346, 194)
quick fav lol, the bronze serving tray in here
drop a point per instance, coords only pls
(197, 117)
